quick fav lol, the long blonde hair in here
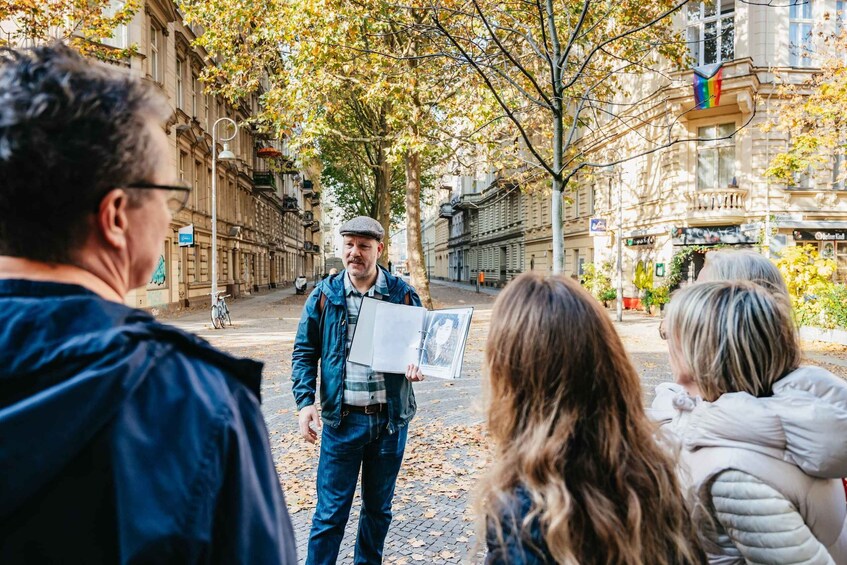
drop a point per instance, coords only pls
(567, 417)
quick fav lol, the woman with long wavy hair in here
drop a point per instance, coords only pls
(578, 474)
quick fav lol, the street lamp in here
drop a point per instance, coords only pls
(619, 301)
(767, 238)
(425, 244)
(225, 155)
(609, 172)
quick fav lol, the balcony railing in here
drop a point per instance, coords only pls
(289, 204)
(717, 201)
(264, 181)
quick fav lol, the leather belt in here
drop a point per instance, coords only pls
(370, 409)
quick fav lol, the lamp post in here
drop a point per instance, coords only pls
(767, 238)
(225, 155)
(619, 301)
(424, 245)
(476, 223)
(609, 173)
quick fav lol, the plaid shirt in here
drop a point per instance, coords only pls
(362, 385)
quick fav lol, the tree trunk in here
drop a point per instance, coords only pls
(414, 245)
(382, 198)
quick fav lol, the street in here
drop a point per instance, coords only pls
(446, 448)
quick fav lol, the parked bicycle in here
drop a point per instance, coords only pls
(220, 311)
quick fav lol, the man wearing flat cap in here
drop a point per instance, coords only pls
(365, 414)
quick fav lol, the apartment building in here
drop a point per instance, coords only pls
(268, 214)
(709, 187)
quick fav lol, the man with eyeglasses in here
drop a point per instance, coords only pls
(121, 439)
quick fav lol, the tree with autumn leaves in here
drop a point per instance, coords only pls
(355, 83)
(813, 118)
(84, 25)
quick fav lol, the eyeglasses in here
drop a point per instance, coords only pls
(177, 196)
(663, 333)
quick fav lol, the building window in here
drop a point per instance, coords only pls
(180, 69)
(156, 51)
(711, 31)
(576, 204)
(716, 157)
(839, 170)
(195, 92)
(196, 192)
(800, 24)
(183, 157)
(119, 35)
(206, 122)
(591, 196)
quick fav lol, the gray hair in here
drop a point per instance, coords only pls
(743, 265)
(71, 130)
(732, 336)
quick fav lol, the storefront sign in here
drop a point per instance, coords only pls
(643, 240)
(821, 235)
(728, 235)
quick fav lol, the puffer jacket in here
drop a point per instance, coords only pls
(763, 473)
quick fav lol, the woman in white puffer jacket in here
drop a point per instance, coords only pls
(764, 441)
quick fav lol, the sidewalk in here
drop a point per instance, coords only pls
(641, 333)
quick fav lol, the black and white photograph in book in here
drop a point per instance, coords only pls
(442, 337)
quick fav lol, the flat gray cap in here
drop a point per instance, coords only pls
(363, 225)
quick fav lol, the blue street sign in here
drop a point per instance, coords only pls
(597, 226)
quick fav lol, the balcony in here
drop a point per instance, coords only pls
(308, 186)
(316, 227)
(308, 218)
(315, 198)
(289, 204)
(709, 203)
(445, 210)
(263, 181)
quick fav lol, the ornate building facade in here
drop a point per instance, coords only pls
(268, 215)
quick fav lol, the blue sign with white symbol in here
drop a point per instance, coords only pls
(186, 236)
(597, 226)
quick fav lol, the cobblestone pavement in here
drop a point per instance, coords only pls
(446, 447)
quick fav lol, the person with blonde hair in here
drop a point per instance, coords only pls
(742, 265)
(578, 475)
(764, 439)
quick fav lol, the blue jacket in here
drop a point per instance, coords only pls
(123, 440)
(322, 335)
(521, 544)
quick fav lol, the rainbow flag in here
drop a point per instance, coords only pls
(707, 85)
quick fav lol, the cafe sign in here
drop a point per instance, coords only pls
(820, 235)
(642, 240)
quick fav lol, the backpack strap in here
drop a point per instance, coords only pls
(407, 299)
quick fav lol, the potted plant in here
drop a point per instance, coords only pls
(661, 296)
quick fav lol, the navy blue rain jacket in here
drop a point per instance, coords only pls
(123, 440)
(322, 335)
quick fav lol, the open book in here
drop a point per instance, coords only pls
(389, 337)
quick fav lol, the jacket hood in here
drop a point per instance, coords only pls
(804, 422)
(68, 360)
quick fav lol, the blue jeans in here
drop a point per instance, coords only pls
(360, 441)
